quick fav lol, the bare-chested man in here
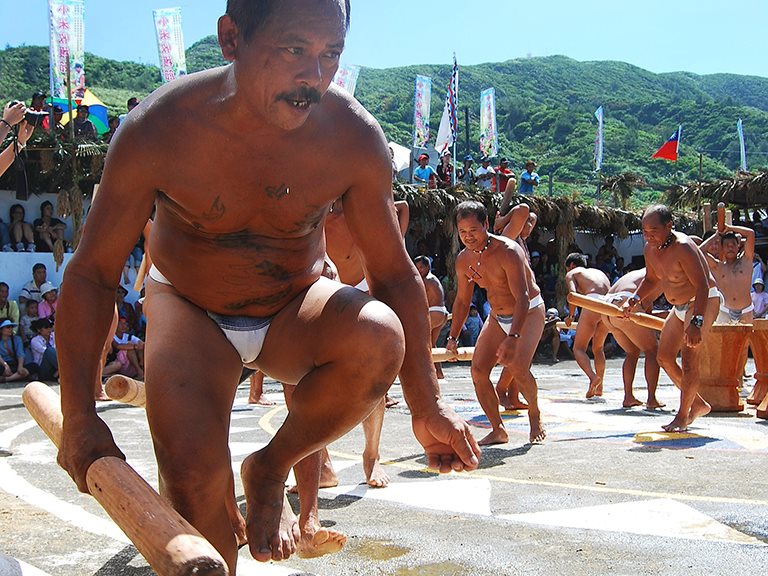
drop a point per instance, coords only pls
(732, 269)
(237, 249)
(595, 284)
(635, 339)
(438, 313)
(676, 266)
(514, 328)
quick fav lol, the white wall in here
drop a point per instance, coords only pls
(16, 267)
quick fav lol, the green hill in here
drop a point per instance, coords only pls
(545, 109)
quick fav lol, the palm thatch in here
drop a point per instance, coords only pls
(621, 187)
(743, 190)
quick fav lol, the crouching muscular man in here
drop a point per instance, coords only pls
(237, 249)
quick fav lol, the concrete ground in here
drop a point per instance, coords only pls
(608, 492)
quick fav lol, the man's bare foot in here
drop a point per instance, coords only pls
(272, 527)
(699, 408)
(510, 404)
(538, 433)
(653, 404)
(102, 397)
(595, 388)
(389, 401)
(631, 402)
(318, 541)
(679, 424)
(261, 401)
(497, 436)
(238, 525)
(375, 475)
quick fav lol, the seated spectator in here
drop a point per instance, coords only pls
(49, 302)
(114, 124)
(12, 355)
(48, 229)
(25, 323)
(31, 290)
(43, 348)
(759, 299)
(126, 310)
(473, 326)
(445, 170)
(8, 308)
(134, 259)
(424, 174)
(130, 351)
(84, 128)
(20, 231)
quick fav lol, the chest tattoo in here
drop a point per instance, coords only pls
(278, 192)
(215, 212)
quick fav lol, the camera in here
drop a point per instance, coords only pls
(33, 117)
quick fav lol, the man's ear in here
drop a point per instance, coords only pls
(229, 37)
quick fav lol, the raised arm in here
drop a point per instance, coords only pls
(749, 239)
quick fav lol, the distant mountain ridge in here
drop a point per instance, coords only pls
(545, 109)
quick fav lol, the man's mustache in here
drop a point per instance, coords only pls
(311, 95)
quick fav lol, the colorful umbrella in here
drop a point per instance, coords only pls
(96, 108)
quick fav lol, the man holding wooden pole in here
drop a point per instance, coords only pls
(237, 250)
(676, 266)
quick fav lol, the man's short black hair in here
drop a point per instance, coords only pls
(576, 258)
(423, 260)
(471, 208)
(39, 324)
(662, 212)
(38, 266)
(730, 235)
(250, 16)
(4, 284)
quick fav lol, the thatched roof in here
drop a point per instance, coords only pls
(432, 208)
(744, 190)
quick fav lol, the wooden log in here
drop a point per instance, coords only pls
(170, 544)
(721, 366)
(758, 341)
(602, 307)
(720, 217)
(126, 390)
(707, 216)
(443, 355)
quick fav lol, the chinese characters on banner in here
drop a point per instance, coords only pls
(346, 77)
(67, 44)
(423, 99)
(489, 137)
(170, 43)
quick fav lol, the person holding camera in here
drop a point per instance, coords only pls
(13, 114)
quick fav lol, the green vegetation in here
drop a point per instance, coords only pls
(545, 111)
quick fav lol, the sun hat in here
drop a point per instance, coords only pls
(7, 323)
(46, 287)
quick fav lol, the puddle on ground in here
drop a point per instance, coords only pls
(438, 569)
(379, 550)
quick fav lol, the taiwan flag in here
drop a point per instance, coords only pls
(668, 150)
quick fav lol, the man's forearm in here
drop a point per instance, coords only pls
(417, 374)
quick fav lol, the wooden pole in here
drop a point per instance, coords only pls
(602, 307)
(171, 545)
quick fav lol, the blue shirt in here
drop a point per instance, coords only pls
(424, 173)
(7, 349)
(526, 182)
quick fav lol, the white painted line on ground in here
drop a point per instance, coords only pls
(662, 517)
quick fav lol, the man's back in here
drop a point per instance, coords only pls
(589, 280)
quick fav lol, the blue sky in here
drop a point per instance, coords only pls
(700, 36)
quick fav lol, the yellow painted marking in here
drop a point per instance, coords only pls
(266, 424)
(656, 436)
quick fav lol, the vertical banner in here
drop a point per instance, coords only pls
(67, 44)
(170, 43)
(489, 136)
(346, 77)
(422, 99)
(599, 140)
(742, 147)
(449, 123)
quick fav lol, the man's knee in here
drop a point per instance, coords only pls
(377, 340)
(666, 360)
